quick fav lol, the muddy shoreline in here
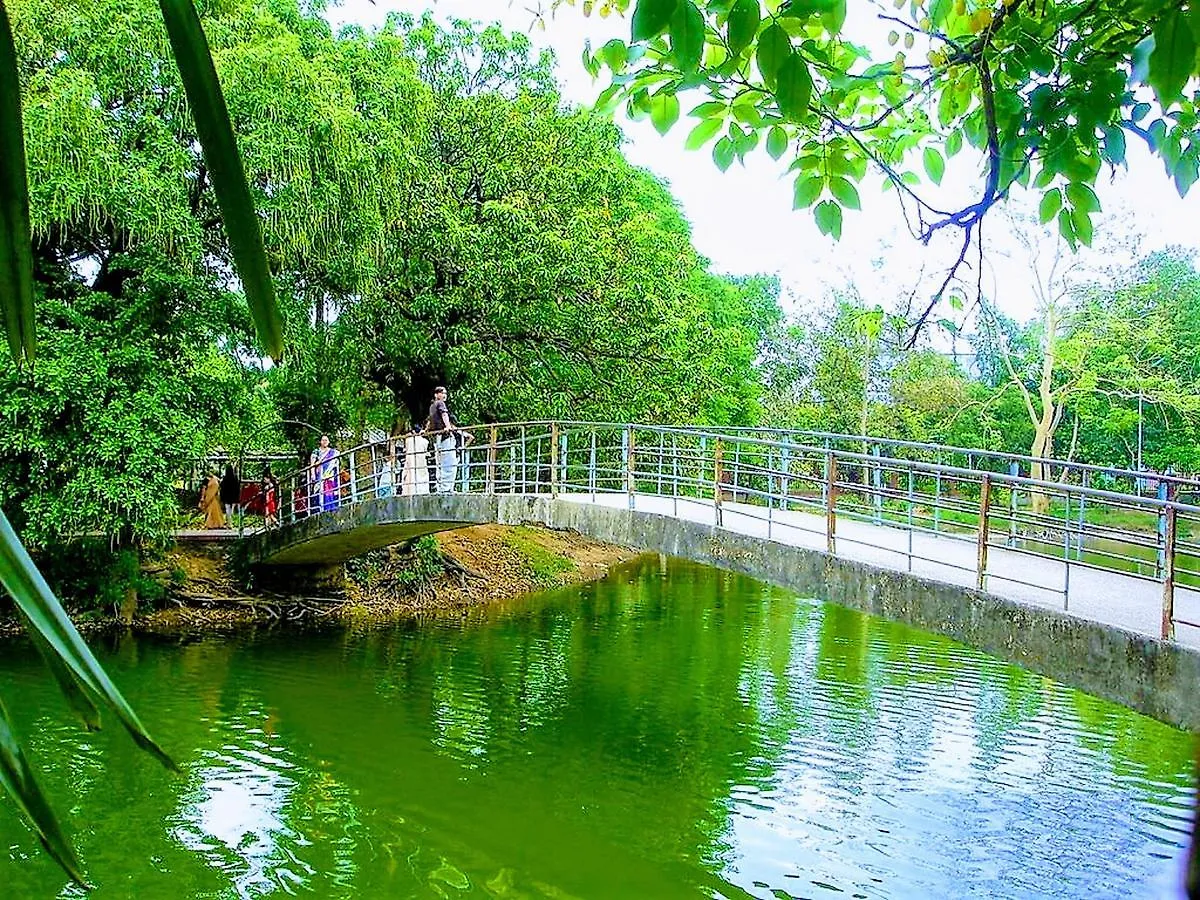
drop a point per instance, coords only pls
(445, 574)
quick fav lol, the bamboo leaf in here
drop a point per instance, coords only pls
(225, 167)
(16, 776)
(57, 634)
(16, 258)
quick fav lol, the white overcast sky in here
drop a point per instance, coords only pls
(743, 220)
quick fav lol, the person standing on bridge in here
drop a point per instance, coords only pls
(231, 492)
(325, 472)
(415, 479)
(443, 428)
(210, 503)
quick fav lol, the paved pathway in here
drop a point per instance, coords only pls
(1104, 596)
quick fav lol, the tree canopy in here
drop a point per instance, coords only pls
(432, 213)
(1046, 94)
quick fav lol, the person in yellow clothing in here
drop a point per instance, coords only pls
(210, 503)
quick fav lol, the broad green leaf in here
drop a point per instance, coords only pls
(55, 631)
(744, 19)
(1067, 228)
(939, 11)
(777, 142)
(793, 89)
(609, 99)
(834, 17)
(703, 133)
(1082, 222)
(845, 192)
(807, 189)
(935, 165)
(18, 781)
(1114, 145)
(829, 219)
(774, 46)
(956, 302)
(651, 17)
(225, 168)
(16, 254)
(723, 152)
(615, 55)
(1083, 197)
(709, 108)
(748, 113)
(1050, 205)
(1173, 59)
(954, 143)
(664, 111)
(591, 63)
(687, 36)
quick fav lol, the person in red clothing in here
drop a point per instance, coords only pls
(270, 497)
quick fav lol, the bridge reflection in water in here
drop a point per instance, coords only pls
(1077, 538)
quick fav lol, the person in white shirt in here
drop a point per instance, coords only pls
(416, 464)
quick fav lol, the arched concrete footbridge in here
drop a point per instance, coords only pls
(964, 545)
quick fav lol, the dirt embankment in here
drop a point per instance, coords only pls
(446, 572)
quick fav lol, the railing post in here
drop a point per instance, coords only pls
(785, 484)
(937, 497)
(630, 467)
(1082, 507)
(554, 460)
(717, 449)
(524, 464)
(490, 477)
(1014, 469)
(564, 479)
(592, 468)
(877, 483)
(1161, 561)
(1168, 599)
(911, 502)
(830, 502)
(662, 453)
(985, 501)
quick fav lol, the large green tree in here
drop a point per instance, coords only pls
(531, 267)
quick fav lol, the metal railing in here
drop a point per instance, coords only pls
(786, 484)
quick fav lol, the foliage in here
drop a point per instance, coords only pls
(530, 267)
(1122, 343)
(79, 676)
(1046, 93)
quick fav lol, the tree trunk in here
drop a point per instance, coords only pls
(128, 605)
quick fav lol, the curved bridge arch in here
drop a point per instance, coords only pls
(334, 537)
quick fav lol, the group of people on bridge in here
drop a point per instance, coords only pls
(328, 480)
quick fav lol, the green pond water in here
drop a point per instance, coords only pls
(671, 731)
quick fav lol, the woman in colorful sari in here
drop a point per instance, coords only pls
(324, 471)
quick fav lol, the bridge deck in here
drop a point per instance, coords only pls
(1103, 596)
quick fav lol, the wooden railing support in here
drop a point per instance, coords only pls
(1168, 598)
(985, 501)
(830, 502)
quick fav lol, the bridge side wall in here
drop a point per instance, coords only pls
(1153, 677)
(1150, 676)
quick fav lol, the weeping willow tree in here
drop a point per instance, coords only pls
(78, 673)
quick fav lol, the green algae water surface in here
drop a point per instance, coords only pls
(671, 731)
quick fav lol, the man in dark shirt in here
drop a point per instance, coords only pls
(442, 427)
